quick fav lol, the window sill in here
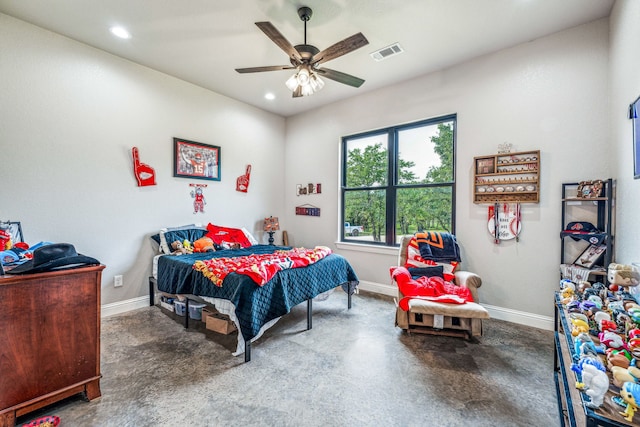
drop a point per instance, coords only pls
(359, 247)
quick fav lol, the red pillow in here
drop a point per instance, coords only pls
(226, 234)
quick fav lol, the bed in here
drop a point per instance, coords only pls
(251, 307)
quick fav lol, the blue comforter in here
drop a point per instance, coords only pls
(256, 305)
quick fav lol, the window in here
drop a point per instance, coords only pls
(399, 180)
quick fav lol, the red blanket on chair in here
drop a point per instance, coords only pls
(429, 288)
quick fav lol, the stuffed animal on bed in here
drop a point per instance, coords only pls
(188, 246)
(178, 248)
(204, 244)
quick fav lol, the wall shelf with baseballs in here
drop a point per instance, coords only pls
(507, 177)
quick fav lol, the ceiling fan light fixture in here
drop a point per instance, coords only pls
(307, 90)
(303, 77)
(306, 59)
(306, 81)
(292, 82)
(316, 82)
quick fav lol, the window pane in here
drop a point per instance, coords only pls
(423, 209)
(367, 161)
(366, 209)
(425, 154)
(398, 180)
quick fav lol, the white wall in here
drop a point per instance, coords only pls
(69, 116)
(625, 88)
(550, 94)
(71, 113)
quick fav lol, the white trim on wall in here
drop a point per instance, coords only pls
(500, 313)
(120, 307)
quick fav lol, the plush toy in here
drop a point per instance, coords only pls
(579, 326)
(5, 240)
(596, 300)
(621, 375)
(178, 248)
(623, 275)
(612, 340)
(630, 394)
(203, 244)
(607, 325)
(567, 295)
(588, 360)
(595, 384)
(617, 359)
(187, 245)
(584, 346)
(230, 245)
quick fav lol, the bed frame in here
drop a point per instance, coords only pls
(153, 283)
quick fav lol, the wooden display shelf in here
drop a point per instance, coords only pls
(507, 177)
(513, 197)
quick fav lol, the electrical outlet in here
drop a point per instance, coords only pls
(117, 281)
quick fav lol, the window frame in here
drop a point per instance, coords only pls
(392, 185)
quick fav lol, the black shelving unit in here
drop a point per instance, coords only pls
(603, 207)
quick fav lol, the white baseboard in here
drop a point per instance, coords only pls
(124, 306)
(520, 317)
(378, 288)
(500, 313)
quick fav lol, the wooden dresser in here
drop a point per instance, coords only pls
(49, 339)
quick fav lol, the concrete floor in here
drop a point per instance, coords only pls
(354, 368)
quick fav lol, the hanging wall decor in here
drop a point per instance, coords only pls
(504, 222)
(195, 160)
(198, 197)
(145, 174)
(307, 210)
(308, 189)
(242, 182)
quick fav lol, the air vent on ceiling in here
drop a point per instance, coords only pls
(386, 52)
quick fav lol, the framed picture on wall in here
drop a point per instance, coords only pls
(195, 160)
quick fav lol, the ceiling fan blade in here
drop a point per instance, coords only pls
(261, 69)
(343, 47)
(340, 77)
(277, 37)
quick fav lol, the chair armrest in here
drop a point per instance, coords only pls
(470, 281)
(467, 279)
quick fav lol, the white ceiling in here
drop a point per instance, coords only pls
(203, 41)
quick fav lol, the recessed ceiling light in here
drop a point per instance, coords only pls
(270, 96)
(120, 32)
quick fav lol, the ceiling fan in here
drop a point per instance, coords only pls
(306, 59)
